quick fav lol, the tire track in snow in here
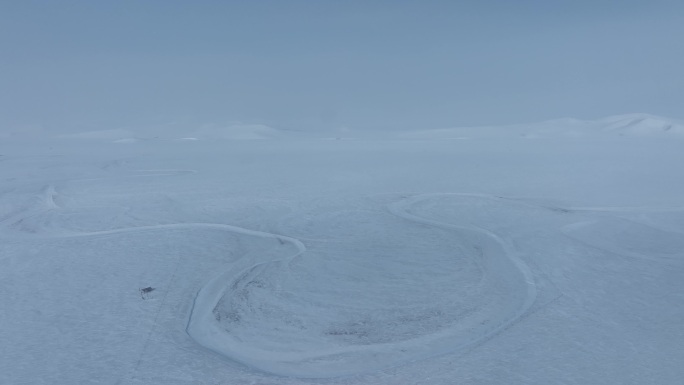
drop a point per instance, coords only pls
(203, 327)
(200, 323)
(401, 209)
(322, 363)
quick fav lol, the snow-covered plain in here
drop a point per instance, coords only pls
(550, 253)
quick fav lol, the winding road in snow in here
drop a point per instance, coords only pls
(204, 328)
(496, 259)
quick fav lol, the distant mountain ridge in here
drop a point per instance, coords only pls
(642, 124)
(628, 125)
(620, 125)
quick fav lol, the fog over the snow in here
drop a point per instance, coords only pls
(74, 66)
(341, 193)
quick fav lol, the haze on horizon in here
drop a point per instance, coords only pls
(76, 65)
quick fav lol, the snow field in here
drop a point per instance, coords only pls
(351, 262)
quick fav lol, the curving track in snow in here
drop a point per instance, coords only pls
(508, 285)
(504, 292)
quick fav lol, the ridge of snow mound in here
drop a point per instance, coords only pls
(642, 124)
(566, 127)
(114, 134)
(623, 125)
(237, 132)
(202, 132)
(126, 140)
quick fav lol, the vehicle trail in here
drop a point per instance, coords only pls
(203, 327)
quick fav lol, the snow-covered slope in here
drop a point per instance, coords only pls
(642, 125)
(213, 131)
(113, 134)
(237, 132)
(630, 125)
(344, 262)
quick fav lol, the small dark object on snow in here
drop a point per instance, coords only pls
(146, 290)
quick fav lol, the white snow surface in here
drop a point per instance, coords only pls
(494, 259)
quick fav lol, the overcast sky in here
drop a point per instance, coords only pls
(72, 65)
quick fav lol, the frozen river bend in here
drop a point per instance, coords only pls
(524, 261)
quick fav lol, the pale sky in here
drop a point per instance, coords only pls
(71, 65)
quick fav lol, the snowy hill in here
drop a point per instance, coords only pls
(236, 132)
(629, 125)
(117, 134)
(185, 132)
(641, 125)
